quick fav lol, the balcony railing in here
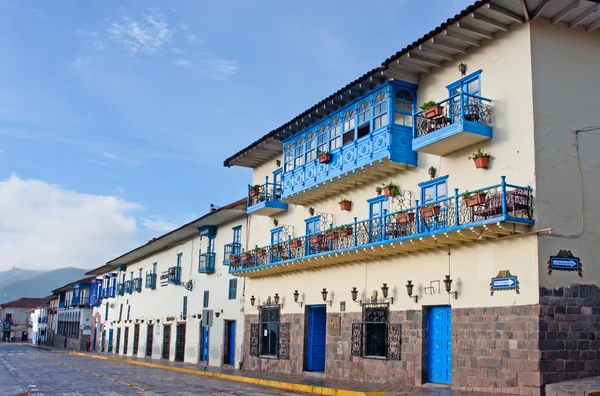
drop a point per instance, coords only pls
(137, 284)
(231, 248)
(120, 289)
(75, 301)
(455, 123)
(112, 292)
(128, 286)
(174, 275)
(265, 199)
(490, 205)
(206, 263)
(151, 281)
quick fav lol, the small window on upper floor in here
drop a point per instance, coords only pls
(334, 134)
(470, 84)
(349, 126)
(288, 158)
(313, 225)
(322, 139)
(403, 108)
(299, 153)
(434, 190)
(380, 118)
(310, 147)
(364, 119)
(276, 235)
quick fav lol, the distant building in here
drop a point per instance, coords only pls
(15, 318)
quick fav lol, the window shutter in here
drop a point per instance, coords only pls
(394, 341)
(254, 330)
(357, 336)
(284, 341)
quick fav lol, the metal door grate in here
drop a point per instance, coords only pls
(118, 346)
(166, 342)
(180, 343)
(149, 340)
(136, 339)
(125, 340)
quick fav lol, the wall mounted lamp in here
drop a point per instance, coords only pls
(324, 295)
(432, 171)
(354, 294)
(278, 163)
(448, 284)
(276, 298)
(296, 295)
(252, 300)
(275, 222)
(384, 291)
(378, 190)
(311, 211)
(409, 291)
(462, 68)
(217, 314)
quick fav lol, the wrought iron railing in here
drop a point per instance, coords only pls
(137, 284)
(231, 248)
(151, 281)
(120, 289)
(259, 193)
(174, 275)
(460, 107)
(128, 288)
(500, 202)
(206, 263)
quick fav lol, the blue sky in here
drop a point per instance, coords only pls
(133, 106)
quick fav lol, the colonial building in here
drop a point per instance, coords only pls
(73, 315)
(434, 220)
(173, 298)
(16, 323)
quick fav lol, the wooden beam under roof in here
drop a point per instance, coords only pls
(448, 45)
(401, 75)
(562, 13)
(474, 30)
(525, 10)
(413, 66)
(435, 53)
(593, 26)
(584, 15)
(492, 22)
(461, 37)
(507, 13)
(539, 9)
(416, 58)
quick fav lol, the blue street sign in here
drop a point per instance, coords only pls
(564, 263)
(504, 283)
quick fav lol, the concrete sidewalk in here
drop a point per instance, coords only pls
(9, 386)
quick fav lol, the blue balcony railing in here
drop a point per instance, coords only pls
(206, 263)
(231, 248)
(151, 281)
(455, 123)
(174, 274)
(120, 289)
(489, 205)
(265, 199)
(136, 285)
(128, 286)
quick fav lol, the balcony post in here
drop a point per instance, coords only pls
(503, 184)
(266, 188)
(456, 207)
(462, 106)
(248, 195)
(382, 236)
(289, 247)
(417, 217)
(355, 229)
(255, 256)
(414, 120)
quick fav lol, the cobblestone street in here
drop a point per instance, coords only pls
(51, 374)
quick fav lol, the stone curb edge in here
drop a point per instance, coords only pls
(317, 390)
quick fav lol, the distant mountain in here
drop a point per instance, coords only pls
(25, 283)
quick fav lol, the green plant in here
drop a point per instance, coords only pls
(259, 249)
(393, 189)
(344, 200)
(320, 153)
(428, 105)
(255, 187)
(466, 195)
(480, 153)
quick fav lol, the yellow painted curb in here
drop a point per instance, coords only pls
(317, 390)
(593, 393)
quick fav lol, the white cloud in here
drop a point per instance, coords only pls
(219, 69)
(157, 223)
(193, 39)
(146, 36)
(177, 50)
(45, 226)
(184, 63)
(109, 155)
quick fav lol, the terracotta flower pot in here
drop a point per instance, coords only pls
(246, 256)
(346, 232)
(475, 199)
(482, 162)
(345, 205)
(430, 211)
(234, 259)
(434, 111)
(277, 249)
(316, 238)
(261, 253)
(254, 193)
(325, 158)
(333, 235)
(406, 217)
(295, 244)
(387, 191)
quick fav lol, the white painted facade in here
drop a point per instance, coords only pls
(164, 306)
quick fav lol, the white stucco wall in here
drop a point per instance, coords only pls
(506, 79)
(566, 87)
(167, 301)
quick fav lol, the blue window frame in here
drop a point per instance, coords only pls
(322, 139)
(434, 190)
(276, 235)
(470, 84)
(205, 300)
(310, 147)
(232, 289)
(288, 158)
(378, 207)
(237, 234)
(211, 245)
(403, 108)
(380, 118)
(313, 225)
(334, 134)
(299, 153)
(179, 259)
(184, 313)
(364, 119)
(277, 176)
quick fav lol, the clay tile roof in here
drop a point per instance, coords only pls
(24, 302)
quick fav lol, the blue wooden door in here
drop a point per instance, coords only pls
(317, 323)
(205, 343)
(231, 343)
(110, 338)
(439, 367)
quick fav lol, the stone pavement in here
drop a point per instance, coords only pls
(9, 386)
(580, 387)
(291, 382)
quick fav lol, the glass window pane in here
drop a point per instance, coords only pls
(473, 86)
(442, 190)
(375, 339)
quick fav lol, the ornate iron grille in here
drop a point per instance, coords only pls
(125, 340)
(254, 339)
(402, 201)
(166, 349)
(284, 341)
(264, 192)
(118, 344)
(136, 339)
(180, 343)
(269, 315)
(394, 342)
(149, 340)
(356, 339)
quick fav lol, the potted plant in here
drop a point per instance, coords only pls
(316, 238)
(254, 190)
(474, 199)
(390, 189)
(481, 159)
(404, 216)
(345, 230)
(431, 109)
(277, 248)
(430, 210)
(247, 256)
(260, 252)
(333, 234)
(234, 259)
(296, 243)
(324, 157)
(345, 204)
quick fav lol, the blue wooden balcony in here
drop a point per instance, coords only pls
(75, 300)
(174, 275)
(206, 263)
(136, 285)
(457, 122)
(231, 248)
(489, 213)
(128, 286)
(150, 281)
(120, 289)
(265, 199)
